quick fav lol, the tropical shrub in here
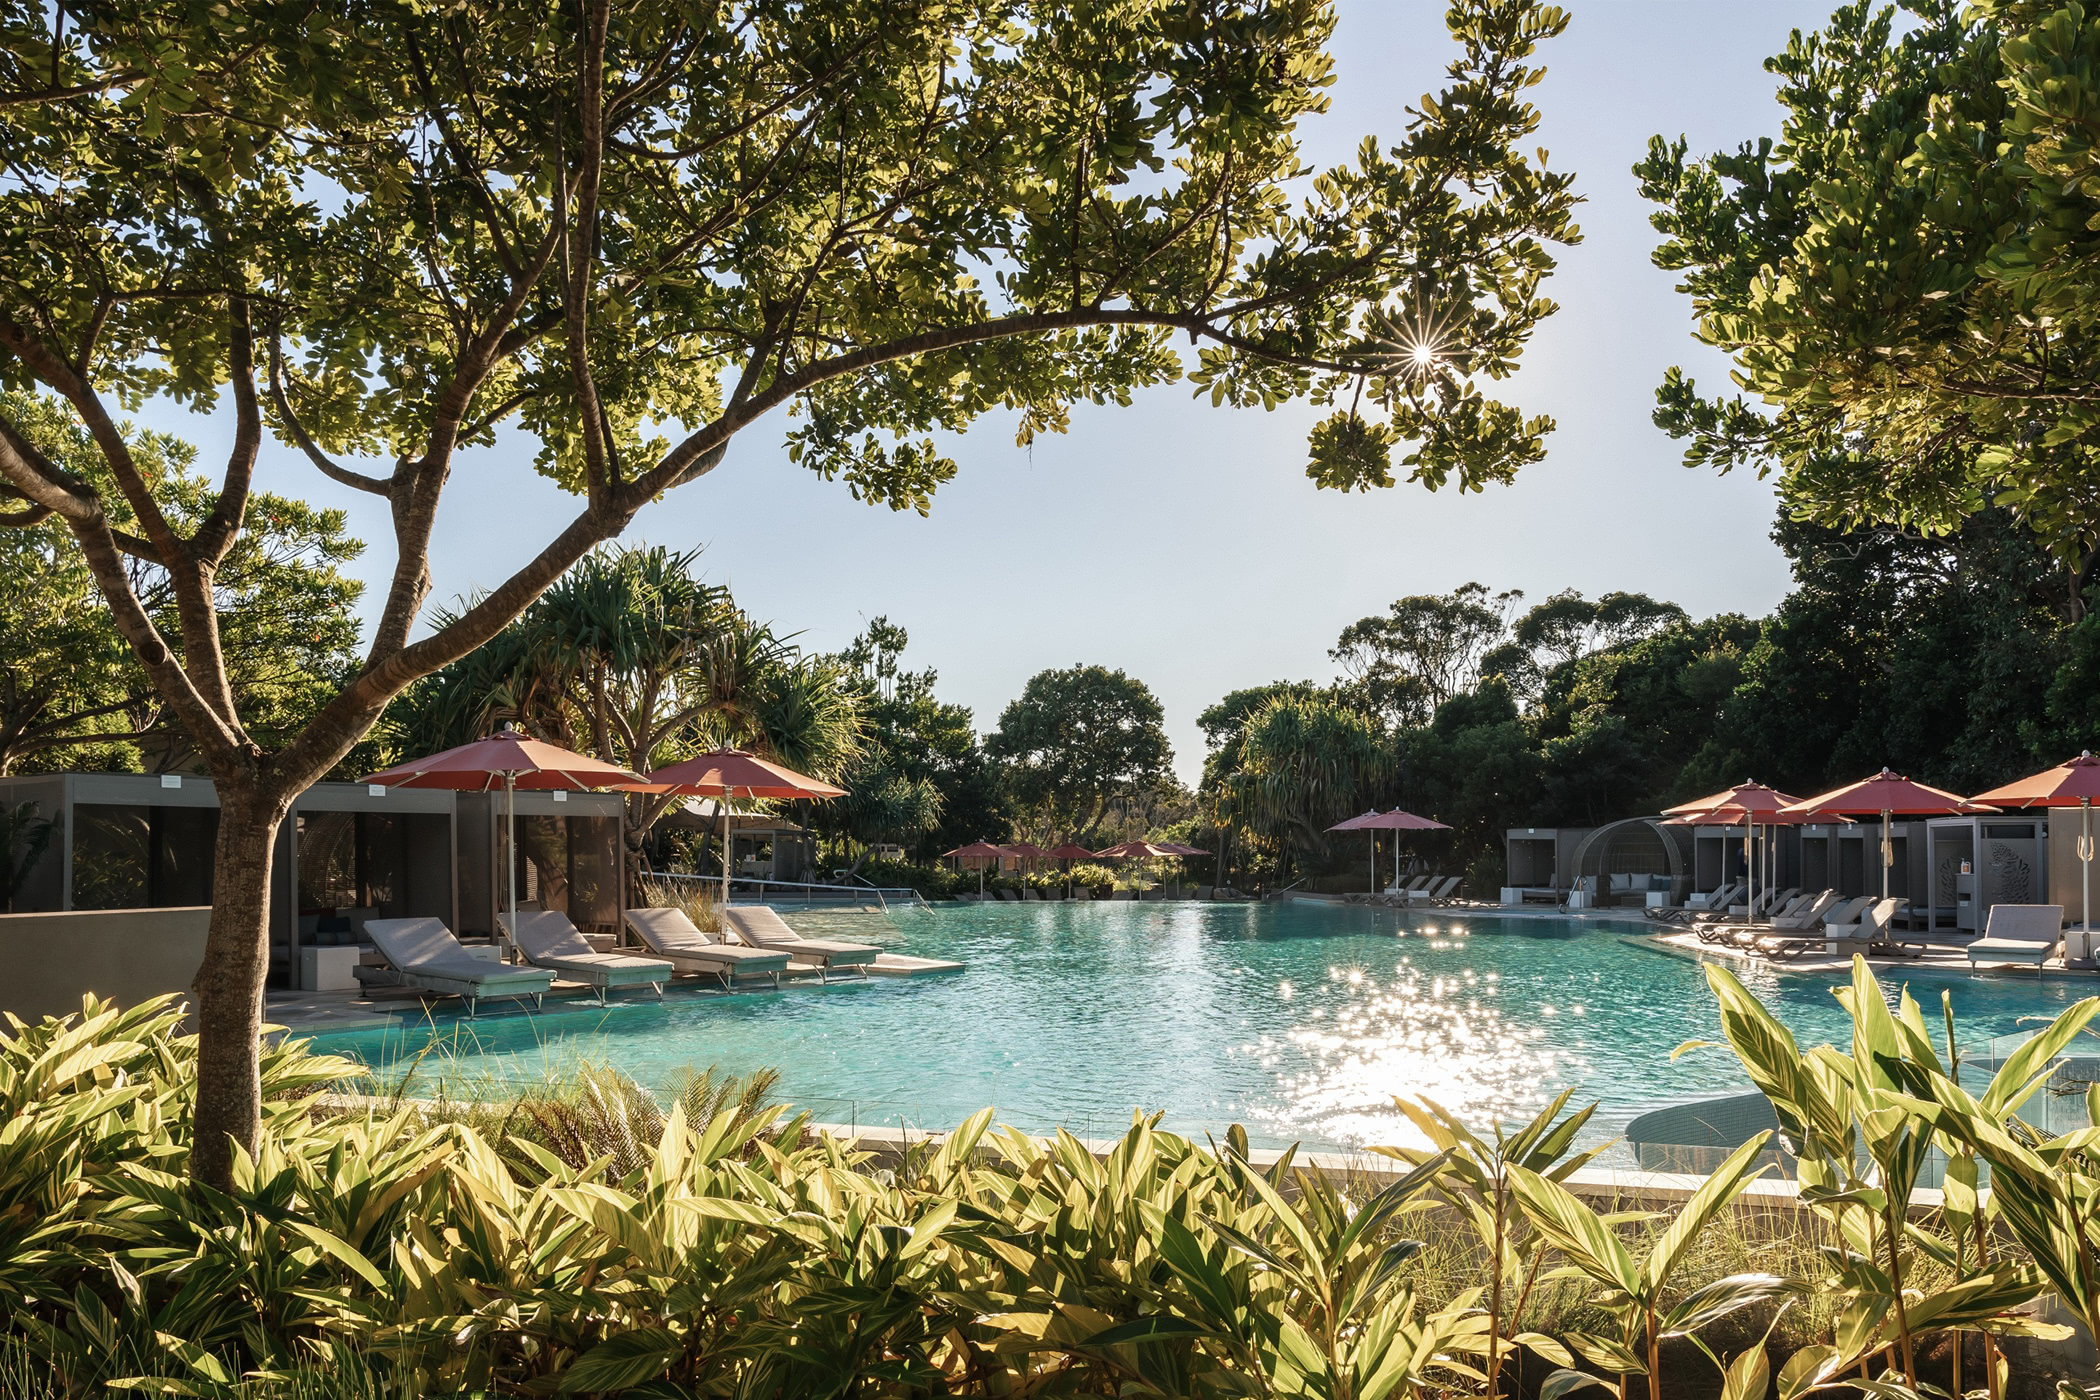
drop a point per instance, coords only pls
(597, 1240)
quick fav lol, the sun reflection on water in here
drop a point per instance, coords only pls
(1415, 1034)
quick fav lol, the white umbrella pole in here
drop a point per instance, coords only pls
(1888, 853)
(2085, 867)
(726, 838)
(1374, 862)
(1749, 869)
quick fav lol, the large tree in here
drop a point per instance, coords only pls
(71, 693)
(1908, 276)
(1078, 741)
(1423, 649)
(626, 230)
(920, 778)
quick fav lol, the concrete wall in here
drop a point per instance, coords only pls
(47, 961)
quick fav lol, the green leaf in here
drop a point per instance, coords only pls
(1576, 1231)
(623, 1360)
(1566, 1382)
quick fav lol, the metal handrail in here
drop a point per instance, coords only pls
(863, 888)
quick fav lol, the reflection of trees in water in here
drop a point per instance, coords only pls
(111, 849)
(328, 860)
(543, 850)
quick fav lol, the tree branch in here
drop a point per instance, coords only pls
(331, 469)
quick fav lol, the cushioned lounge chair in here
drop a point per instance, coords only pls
(760, 927)
(422, 954)
(2018, 933)
(547, 939)
(672, 936)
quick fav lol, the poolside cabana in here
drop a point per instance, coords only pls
(348, 852)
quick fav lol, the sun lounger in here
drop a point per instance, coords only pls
(760, 927)
(2019, 933)
(1767, 901)
(423, 954)
(1029, 896)
(549, 940)
(1081, 892)
(1806, 912)
(1712, 902)
(1436, 893)
(672, 936)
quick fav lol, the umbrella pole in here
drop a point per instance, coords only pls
(725, 860)
(510, 843)
(1374, 862)
(1888, 853)
(2085, 868)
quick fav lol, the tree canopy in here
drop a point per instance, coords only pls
(1905, 276)
(1078, 740)
(630, 229)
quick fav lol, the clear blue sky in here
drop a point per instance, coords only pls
(1182, 543)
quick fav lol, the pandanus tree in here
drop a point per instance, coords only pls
(626, 230)
(1309, 762)
(632, 657)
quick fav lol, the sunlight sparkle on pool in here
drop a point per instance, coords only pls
(1300, 1020)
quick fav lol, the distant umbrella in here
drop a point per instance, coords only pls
(975, 856)
(731, 774)
(1375, 821)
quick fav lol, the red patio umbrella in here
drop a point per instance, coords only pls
(1375, 821)
(974, 856)
(1752, 804)
(1888, 793)
(517, 762)
(1133, 850)
(728, 775)
(2073, 784)
(1069, 852)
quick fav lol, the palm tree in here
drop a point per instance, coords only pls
(634, 659)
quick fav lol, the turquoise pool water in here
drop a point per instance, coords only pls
(1301, 1021)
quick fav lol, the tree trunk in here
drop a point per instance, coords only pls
(229, 985)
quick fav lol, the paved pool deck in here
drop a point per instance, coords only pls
(1946, 961)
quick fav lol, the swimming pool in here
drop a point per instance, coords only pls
(1300, 1020)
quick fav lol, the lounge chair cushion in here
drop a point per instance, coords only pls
(673, 935)
(548, 939)
(2026, 933)
(426, 947)
(759, 926)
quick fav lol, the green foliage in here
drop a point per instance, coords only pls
(921, 778)
(1305, 760)
(1904, 277)
(588, 1237)
(633, 658)
(1078, 741)
(1422, 650)
(72, 697)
